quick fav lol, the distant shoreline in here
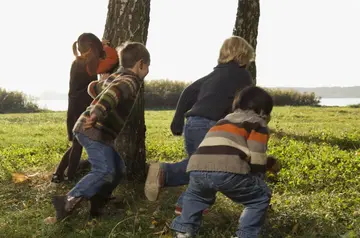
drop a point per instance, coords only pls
(62, 104)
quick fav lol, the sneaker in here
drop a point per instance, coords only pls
(182, 235)
(154, 182)
(178, 211)
(56, 178)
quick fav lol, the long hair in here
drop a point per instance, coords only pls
(91, 50)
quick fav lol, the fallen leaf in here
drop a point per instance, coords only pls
(19, 178)
(50, 220)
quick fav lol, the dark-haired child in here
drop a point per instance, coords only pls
(232, 160)
(98, 126)
(95, 58)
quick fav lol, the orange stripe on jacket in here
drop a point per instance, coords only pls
(231, 129)
(259, 137)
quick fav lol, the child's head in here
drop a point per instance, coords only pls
(135, 57)
(236, 49)
(91, 50)
(255, 99)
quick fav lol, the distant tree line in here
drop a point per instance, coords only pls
(158, 94)
(164, 94)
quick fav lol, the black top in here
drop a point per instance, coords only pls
(211, 97)
(79, 99)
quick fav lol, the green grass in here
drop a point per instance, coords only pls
(317, 194)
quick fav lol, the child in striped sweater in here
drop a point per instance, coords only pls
(232, 160)
(98, 126)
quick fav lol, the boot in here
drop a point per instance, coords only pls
(64, 205)
(97, 205)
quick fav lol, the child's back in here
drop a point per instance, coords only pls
(232, 160)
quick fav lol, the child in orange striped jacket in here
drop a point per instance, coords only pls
(232, 160)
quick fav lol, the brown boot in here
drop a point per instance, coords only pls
(97, 205)
(64, 205)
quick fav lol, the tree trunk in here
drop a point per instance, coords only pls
(246, 25)
(129, 20)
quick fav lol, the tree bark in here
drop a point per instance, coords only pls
(246, 26)
(128, 20)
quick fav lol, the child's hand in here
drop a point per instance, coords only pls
(273, 165)
(105, 42)
(90, 121)
(104, 76)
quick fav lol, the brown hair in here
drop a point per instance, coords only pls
(132, 52)
(236, 49)
(91, 50)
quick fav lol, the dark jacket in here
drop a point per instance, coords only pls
(80, 78)
(79, 98)
(211, 97)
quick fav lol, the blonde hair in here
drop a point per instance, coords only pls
(236, 49)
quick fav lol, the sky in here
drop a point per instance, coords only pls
(301, 43)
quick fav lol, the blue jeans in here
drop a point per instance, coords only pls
(107, 169)
(249, 190)
(195, 130)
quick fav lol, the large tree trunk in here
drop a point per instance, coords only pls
(246, 25)
(129, 20)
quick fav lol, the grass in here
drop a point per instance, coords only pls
(317, 194)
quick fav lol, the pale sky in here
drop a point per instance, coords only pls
(303, 43)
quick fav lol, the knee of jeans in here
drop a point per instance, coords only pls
(107, 174)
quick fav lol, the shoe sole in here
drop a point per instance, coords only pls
(152, 187)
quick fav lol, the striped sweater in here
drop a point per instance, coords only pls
(236, 144)
(113, 99)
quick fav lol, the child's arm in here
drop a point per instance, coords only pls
(187, 99)
(113, 94)
(109, 62)
(257, 144)
(95, 88)
(273, 165)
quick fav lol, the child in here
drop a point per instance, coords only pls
(98, 127)
(203, 103)
(95, 58)
(232, 160)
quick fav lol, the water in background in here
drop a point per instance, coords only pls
(61, 105)
(339, 101)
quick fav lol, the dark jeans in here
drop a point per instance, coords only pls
(70, 160)
(107, 169)
(195, 130)
(249, 190)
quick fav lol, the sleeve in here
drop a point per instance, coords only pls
(257, 144)
(112, 95)
(110, 60)
(94, 88)
(187, 99)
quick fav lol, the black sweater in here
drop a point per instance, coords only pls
(211, 97)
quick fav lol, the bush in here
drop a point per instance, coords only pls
(355, 105)
(293, 98)
(15, 102)
(164, 94)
